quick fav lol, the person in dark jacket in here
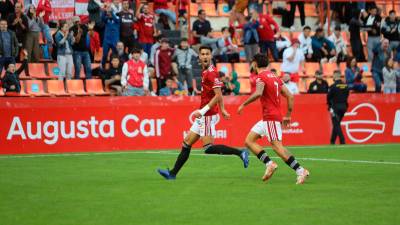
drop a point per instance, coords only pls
(337, 104)
(111, 32)
(323, 48)
(10, 81)
(6, 7)
(390, 30)
(112, 76)
(81, 48)
(372, 23)
(18, 23)
(94, 8)
(8, 45)
(319, 85)
(355, 38)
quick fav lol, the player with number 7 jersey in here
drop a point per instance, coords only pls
(269, 89)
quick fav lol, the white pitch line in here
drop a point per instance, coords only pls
(193, 154)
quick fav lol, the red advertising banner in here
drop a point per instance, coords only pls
(54, 125)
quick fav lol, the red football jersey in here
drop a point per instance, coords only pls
(146, 28)
(209, 80)
(270, 99)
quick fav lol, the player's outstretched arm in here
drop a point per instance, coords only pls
(221, 104)
(256, 95)
(290, 100)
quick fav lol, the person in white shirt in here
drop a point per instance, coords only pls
(293, 61)
(306, 42)
(282, 43)
(291, 86)
(340, 44)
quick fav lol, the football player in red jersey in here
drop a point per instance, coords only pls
(206, 118)
(269, 88)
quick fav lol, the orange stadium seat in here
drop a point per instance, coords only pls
(76, 87)
(329, 68)
(56, 87)
(242, 69)
(223, 10)
(245, 87)
(35, 88)
(194, 8)
(311, 67)
(209, 8)
(52, 68)
(369, 81)
(95, 87)
(37, 70)
(226, 68)
(366, 67)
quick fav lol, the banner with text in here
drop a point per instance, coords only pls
(53, 125)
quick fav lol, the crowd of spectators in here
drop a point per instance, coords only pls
(135, 45)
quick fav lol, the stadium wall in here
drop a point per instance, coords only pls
(54, 125)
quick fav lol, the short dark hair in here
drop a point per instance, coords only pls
(224, 29)
(273, 70)
(205, 47)
(392, 11)
(261, 60)
(184, 39)
(338, 28)
(200, 11)
(307, 28)
(114, 56)
(319, 29)
(136, 50)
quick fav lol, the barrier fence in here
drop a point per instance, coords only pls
(54, 125)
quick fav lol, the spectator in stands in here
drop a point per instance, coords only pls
(323, 49)
(253, 76)
(182, 7)
(251, 38)
(201, 27)
(390, 30)
(173, 87)
(111, 32)
(353, 76)
(154, 48)
(94, 9)
(380, 54)
(32, 36)
(282, 43)
(161, 7)
(300, 5)
(224, 49)
(183, 56)
(123, 57)
(372, 23)
(45, 7)
(81, 49)
(146, 28)
(94, 39)
(116, 6)
(355, 38)
(237, 12)
(266, 33)
(64, 40)
(341, 46)
(10, 81)
(306, 42)
(291, 86)
(143, 56)
(127, 22)
(8, 45)
(389, 76)
(135, 77)
(18, 22)
(234, 83)
(162, 63)
(6, 7)
(319, 85)
(112, 76)
(293, 61)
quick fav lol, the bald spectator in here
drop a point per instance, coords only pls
(380, 52)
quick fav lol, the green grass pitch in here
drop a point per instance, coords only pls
(354, 185)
